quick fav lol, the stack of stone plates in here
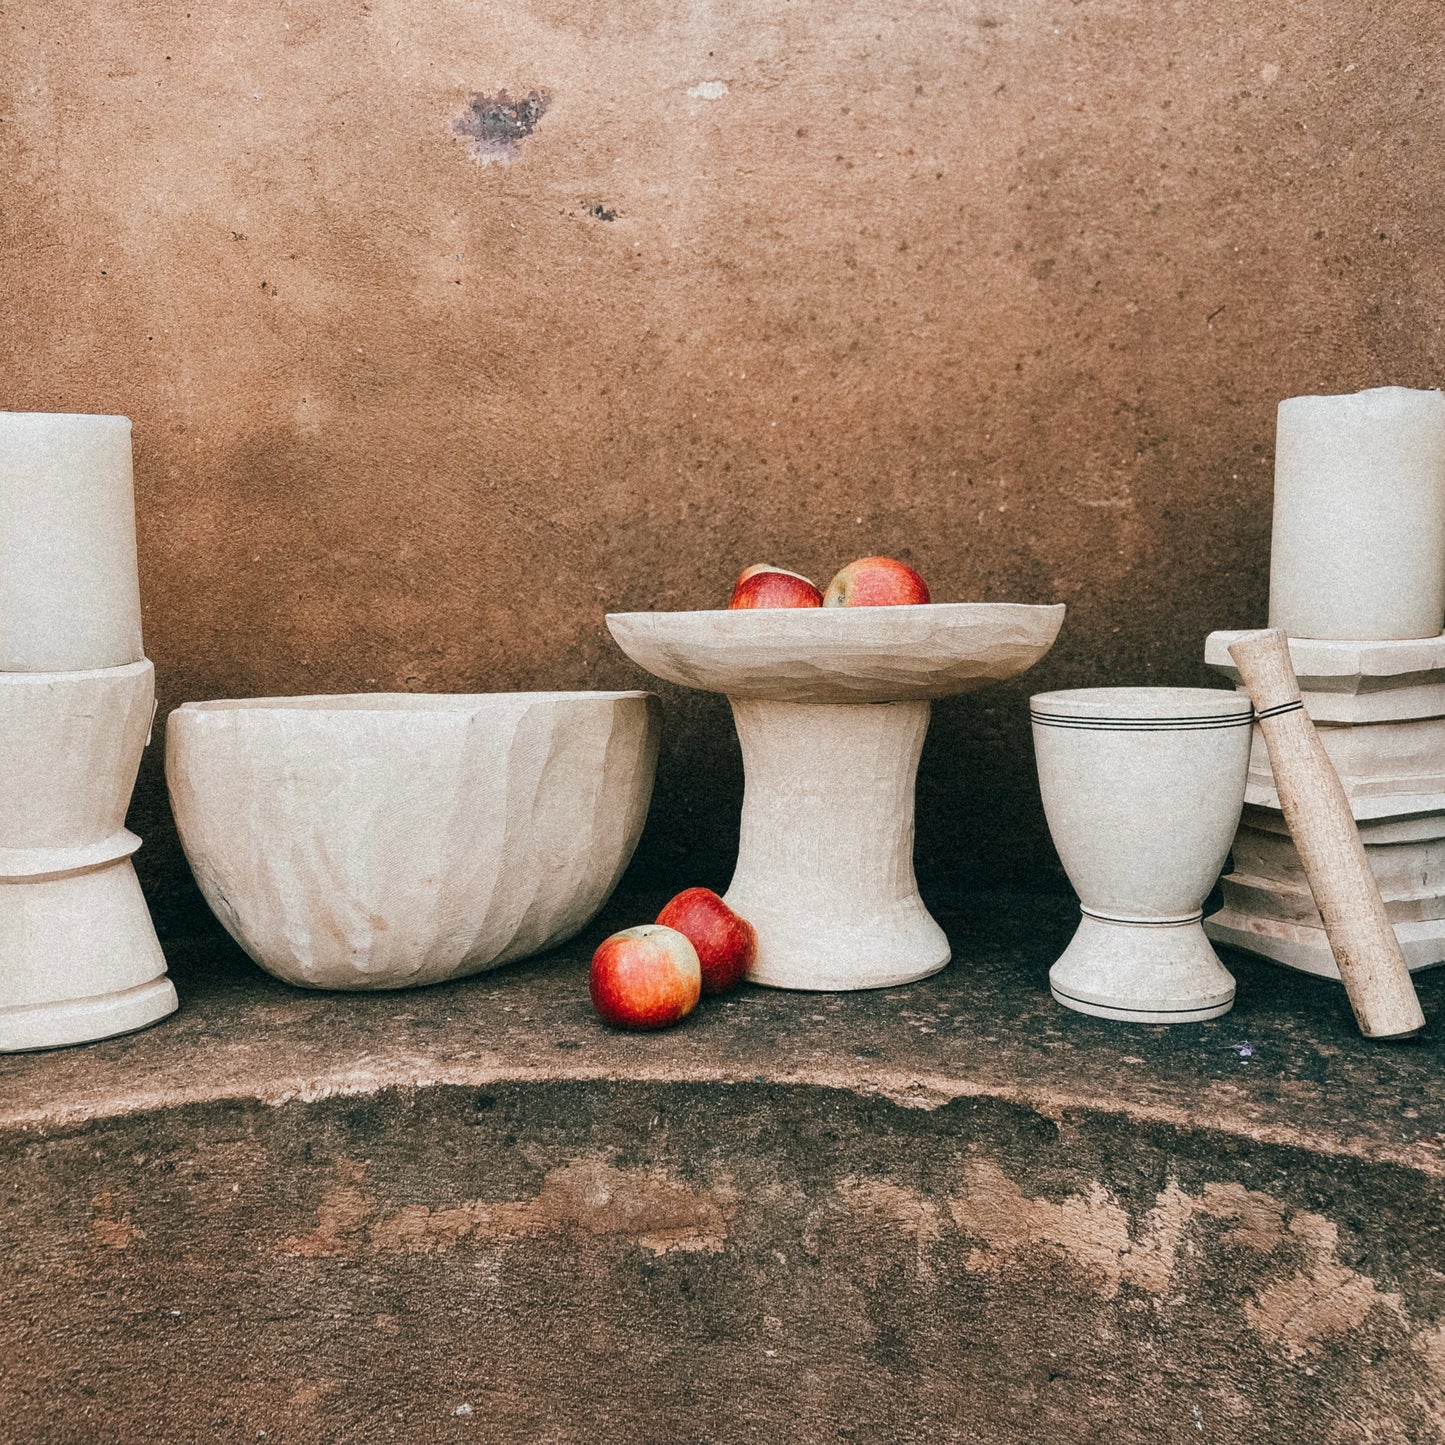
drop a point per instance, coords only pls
(1380, 711)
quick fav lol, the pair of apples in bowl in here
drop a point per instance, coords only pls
(652, 976)
(868, 582)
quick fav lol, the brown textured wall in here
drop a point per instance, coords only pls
(1007, 288)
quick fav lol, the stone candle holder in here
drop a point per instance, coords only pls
(831, 706)
(79, 958)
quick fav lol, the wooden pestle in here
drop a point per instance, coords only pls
(1319, 819)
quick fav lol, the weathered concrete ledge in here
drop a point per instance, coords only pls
(950, 1211)
(985, 1027)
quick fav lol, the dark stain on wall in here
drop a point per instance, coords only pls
(496, 124)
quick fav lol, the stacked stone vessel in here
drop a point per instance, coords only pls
(1357, 580)
(79, 958)
(1380, 712)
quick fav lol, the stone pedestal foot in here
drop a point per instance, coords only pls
(1149, 972)
(825, 860)
(79, 958)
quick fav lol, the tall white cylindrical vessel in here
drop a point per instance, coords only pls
(79, 958)
(1358, 550)
(69, 590)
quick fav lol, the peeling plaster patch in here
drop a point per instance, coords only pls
(496, 125)
(708, 90)
(1326, 1299)
(344, 1209)
(902, 1209)
(109, 1230)
(1260, 1217)
(1091, 1229)
(644, 1207)
(1431, 1344)
(918, 1094)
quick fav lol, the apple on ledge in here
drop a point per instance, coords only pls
(726, 944)
(645, 978)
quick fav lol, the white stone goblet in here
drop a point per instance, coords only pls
(1142, 788)
(831, 706)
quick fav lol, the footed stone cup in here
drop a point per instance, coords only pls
(1142, 788)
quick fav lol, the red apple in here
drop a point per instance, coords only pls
(876, 582)
(764, 586)
(726, 944)
(645, 978)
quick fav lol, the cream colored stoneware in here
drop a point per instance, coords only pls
(1356, 682)
(840, 654)
(1358, 548)
(1142, 789)
(1377, 980)
(1380, 711)
(1270, 911)
(79, 958)
(825, 853)
(1394, 747)
(1378, 760)
(386, 840)
(1265, 858)
(831, 707)
(69, 592)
